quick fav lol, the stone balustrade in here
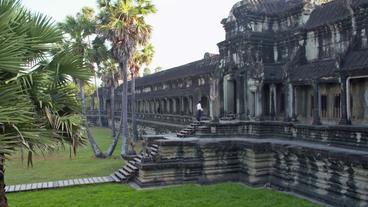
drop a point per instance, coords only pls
(347, 136)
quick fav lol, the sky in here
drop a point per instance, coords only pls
(183, 30)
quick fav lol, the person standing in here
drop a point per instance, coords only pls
(199, 111)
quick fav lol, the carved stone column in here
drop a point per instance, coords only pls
(182, 112)
(215, 100)
(316, 101)
(288, 104)
(221, 96)
(343, 102)
(240, 96)
(273, 101)
(259, 102)
(293, 102)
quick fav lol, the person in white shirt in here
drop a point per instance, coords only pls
(199, 111)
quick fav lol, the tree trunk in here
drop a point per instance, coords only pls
(115, 135)
(112, 147)
(112, 105)
(134, 121)
(98, 100)
(97, 151)
(124, 107)
(3, 199)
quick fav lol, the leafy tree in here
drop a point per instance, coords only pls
(39, 107)
(79, 29)
(123, 23)
(96, 55)
(147, 71)
(158, 69)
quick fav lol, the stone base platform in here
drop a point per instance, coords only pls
(331, 174)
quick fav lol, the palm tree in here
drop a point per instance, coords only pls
(79, 30)
(123, 23)
(97, 54)
(38, 103)
(140, 58)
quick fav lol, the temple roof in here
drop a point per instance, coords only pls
(359, 2)
(328, 13)
(267, 7)
(315, 70)
(356, 60)
(196, 68)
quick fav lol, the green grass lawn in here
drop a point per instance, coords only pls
(114, 195)
(58, 165)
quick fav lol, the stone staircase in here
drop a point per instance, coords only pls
(130, 170)
(189, 130)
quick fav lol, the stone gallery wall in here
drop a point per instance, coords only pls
(332, 175)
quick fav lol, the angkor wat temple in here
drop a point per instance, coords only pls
(285, 103)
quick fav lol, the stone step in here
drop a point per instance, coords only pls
(119, 175)
(154, 145)
(124, 173)
(115, 179)
(128, 169)
(137, 160)
(154, 149)
(131, 166)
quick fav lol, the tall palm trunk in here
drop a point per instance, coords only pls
(116, 139)
(97, 151)
(112, 104)
(3, 199)
(124, 107)
(115, 133)
(134, 121)
(98, 100)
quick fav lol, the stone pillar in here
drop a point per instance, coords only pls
(221, 97)
(182, 111)
(288, 102)
(316, 101)
(214, 100)
(246, 97)
(273, 97)
(293, 103)
(259, 104)
(345, 119)
(196, 98)
(240, 96)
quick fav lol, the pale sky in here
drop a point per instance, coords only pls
(183, 29)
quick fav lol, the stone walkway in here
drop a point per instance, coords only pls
(58, 184)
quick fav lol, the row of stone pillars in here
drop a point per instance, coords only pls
(290, 95)
(290, 109)
(167, 106)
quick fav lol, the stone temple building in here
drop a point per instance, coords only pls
(286, 104)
